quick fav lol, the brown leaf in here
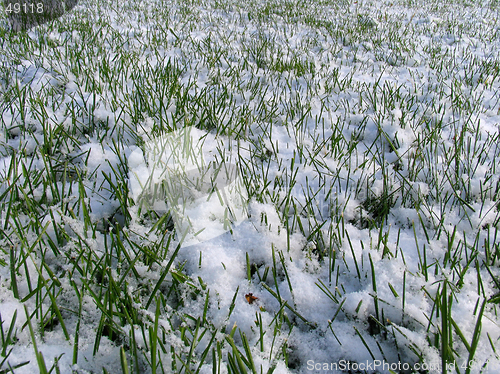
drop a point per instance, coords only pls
(250, 298)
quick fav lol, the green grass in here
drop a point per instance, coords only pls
(377, 148)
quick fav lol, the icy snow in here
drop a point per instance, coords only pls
(220, 261)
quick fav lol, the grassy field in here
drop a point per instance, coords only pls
(366, 134)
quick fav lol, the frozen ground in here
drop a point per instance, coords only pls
(367, 138)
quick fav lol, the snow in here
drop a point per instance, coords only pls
(314, 204)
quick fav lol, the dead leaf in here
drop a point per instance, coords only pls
(250, 298)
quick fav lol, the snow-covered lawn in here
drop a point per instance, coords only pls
(366, 135)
